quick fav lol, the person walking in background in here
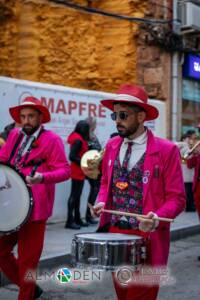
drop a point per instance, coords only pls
(93, 144)
(193, 161)
(23, 148)
(7, 129)
(188, 173)
(2, 142)
(141, 174)
(4, 134)
(78, 141)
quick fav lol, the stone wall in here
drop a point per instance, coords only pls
(46, 42)
(55, 44)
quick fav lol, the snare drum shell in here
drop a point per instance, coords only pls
(107, 251)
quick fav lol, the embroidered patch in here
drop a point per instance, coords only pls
(121, 185)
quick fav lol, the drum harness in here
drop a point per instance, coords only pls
(34, 163)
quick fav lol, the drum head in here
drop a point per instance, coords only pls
(107, 236)
(15, 199)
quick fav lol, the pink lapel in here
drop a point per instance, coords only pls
(152, 149)
(115, 147)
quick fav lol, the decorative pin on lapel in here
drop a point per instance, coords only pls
(145, 178)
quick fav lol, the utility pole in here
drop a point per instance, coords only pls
(176, 102)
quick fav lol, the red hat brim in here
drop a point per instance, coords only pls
(15, 112)
(151, 111)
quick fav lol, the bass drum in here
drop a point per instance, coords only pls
(16, 201)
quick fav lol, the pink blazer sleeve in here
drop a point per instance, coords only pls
(104, 179)
(174, 201)
(59, 169)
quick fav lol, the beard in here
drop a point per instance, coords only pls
(127, 132)
(29, 130)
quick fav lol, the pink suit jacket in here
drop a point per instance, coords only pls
(54, 169)
(163, 188)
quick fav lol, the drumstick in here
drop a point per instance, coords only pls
(186, 155)
(122, 213)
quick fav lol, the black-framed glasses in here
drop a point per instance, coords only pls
(122, 115)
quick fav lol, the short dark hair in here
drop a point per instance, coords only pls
(190, 132)
(83, 128)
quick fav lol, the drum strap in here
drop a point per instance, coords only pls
(33, 162)
(18, 141)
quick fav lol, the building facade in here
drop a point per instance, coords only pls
(52, 43)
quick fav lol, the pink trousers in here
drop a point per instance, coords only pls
(133, 292)
(21, 270)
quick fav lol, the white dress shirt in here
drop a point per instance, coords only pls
(138, 149)
(33, 137)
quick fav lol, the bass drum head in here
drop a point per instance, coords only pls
(15, 199)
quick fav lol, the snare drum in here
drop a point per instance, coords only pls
(108, 251)
(16, 199)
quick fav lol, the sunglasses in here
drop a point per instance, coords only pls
(121, 115)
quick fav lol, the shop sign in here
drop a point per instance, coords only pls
(191, 67)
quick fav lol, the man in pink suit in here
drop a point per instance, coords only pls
(193, 161)
(24, 148)
(142, 174)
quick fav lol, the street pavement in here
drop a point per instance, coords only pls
(183, 266)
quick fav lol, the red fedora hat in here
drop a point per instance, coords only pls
(33, 103)
(133, 94)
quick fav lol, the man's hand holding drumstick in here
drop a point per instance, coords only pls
(147, 223)
(97, 209)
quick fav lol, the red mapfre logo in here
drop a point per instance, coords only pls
(71, 106)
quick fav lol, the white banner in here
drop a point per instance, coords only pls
(68, 106)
